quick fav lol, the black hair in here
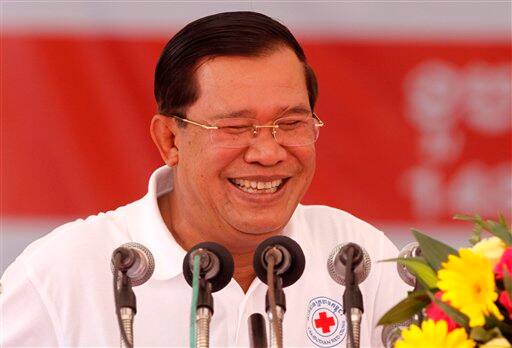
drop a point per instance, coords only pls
(240, 33)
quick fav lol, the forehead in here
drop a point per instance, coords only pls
(259, 85)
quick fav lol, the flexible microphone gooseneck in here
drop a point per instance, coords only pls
(349, 265)
(278, 262)
(215, 268)
(132, 264)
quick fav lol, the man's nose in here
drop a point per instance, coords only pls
(264, 149)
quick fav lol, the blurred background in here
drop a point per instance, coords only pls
(416, 97)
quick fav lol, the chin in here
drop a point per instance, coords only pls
(261, 227)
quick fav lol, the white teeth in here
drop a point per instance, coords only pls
(257, 186)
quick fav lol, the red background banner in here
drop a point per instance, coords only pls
(415, 131)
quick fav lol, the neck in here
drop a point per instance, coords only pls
(244, 272)
(187, 234)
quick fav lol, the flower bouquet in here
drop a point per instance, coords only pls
(463, 297)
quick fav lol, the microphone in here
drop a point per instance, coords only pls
(289, 259)
(392, 333)
(216, 264)
(336, 263)
(349, 265)
(278, 262)
(410, 250)
(216, 268)
(135, 260)
(132, 264)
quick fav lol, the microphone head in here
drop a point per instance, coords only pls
(336, 263)
(410, 250)
(138, 260)
(215, 264)
(289, 265)
(392, 333)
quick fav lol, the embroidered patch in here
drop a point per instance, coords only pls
(327, 326)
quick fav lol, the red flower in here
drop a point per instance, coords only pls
(436, 313)
(505, 262)
(506, 302)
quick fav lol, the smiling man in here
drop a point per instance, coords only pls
(234, 183)
(236, 129)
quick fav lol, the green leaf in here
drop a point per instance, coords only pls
(506, 329)
(433, 250)
(457, 316)
(405, 309)
(420, 268)
(507, 281)
(502, 220)
(482, 335)
(476, 236)
(470, 218)
(500, 231)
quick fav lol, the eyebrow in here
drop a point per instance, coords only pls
(298, 109)
(246, 113)
(234, 114)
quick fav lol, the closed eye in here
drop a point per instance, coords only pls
(236, 129)
(291, 124)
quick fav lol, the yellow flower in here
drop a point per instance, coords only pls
(498, 342)
(491, 248)
(434, 334)
(467, 282)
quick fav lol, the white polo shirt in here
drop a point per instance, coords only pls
(58, 292)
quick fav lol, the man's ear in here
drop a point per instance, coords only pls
(163, 132)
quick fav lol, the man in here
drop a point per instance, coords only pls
(236, 130)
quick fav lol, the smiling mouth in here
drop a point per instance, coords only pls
(250, 186)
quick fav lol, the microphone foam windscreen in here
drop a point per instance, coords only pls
(297, 262)
(226, 265)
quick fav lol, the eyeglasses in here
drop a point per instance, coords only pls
(235, 133)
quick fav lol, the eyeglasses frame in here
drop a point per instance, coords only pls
(254, 126)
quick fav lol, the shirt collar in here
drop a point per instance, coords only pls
(150, 230)
(147, 227)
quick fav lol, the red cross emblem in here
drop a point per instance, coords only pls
(324, 322)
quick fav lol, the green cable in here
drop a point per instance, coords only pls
(195, 295)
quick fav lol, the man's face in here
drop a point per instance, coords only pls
(261, 88)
